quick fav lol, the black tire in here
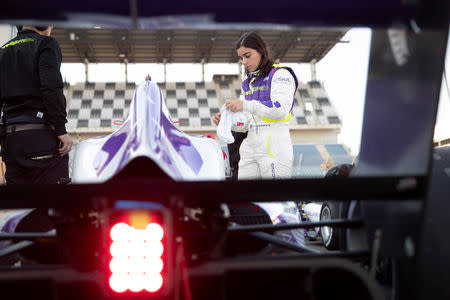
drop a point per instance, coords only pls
(329, 235)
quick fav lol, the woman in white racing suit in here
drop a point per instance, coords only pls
(267, 97)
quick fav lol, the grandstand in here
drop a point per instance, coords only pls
(98, 108)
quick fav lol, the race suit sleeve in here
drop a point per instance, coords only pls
(281, 94)
(52, 85)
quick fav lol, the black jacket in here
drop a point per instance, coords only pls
(31, 87)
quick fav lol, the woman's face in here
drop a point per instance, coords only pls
(250, 58)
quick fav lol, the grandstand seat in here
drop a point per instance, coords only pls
(311, 159)
(310, 163)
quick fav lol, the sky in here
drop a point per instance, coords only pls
(343, 72)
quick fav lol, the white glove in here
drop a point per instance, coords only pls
(225, 124)
(228, 121)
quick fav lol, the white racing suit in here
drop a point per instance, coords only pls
(267, 151)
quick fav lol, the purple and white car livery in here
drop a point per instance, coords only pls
(149, 132)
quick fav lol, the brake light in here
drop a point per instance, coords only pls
(136, 262)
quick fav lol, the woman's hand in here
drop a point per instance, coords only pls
(216, 119)
(235, 105)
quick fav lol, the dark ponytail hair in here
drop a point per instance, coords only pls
(254, 41)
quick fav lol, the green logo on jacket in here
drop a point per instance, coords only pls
(26, 40)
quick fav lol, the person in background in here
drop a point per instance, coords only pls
(268, 95)
(233, 151)
(34, 140)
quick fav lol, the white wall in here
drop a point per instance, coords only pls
(7, 32)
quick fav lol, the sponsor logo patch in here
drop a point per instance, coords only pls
(285, 80)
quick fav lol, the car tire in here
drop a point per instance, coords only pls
(329, 235)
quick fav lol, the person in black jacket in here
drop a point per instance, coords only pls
(34, 140)
(233, 151)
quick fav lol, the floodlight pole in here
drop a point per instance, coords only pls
(203, 70)
(313, 69)
(86, 69)
(125, 61)
(165, 70)
(240, 69)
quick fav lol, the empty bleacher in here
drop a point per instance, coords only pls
(193, 103)
(307, 161)
(98, 105)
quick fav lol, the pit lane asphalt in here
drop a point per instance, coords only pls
(316, 245)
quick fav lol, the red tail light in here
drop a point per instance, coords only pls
(136, 258)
